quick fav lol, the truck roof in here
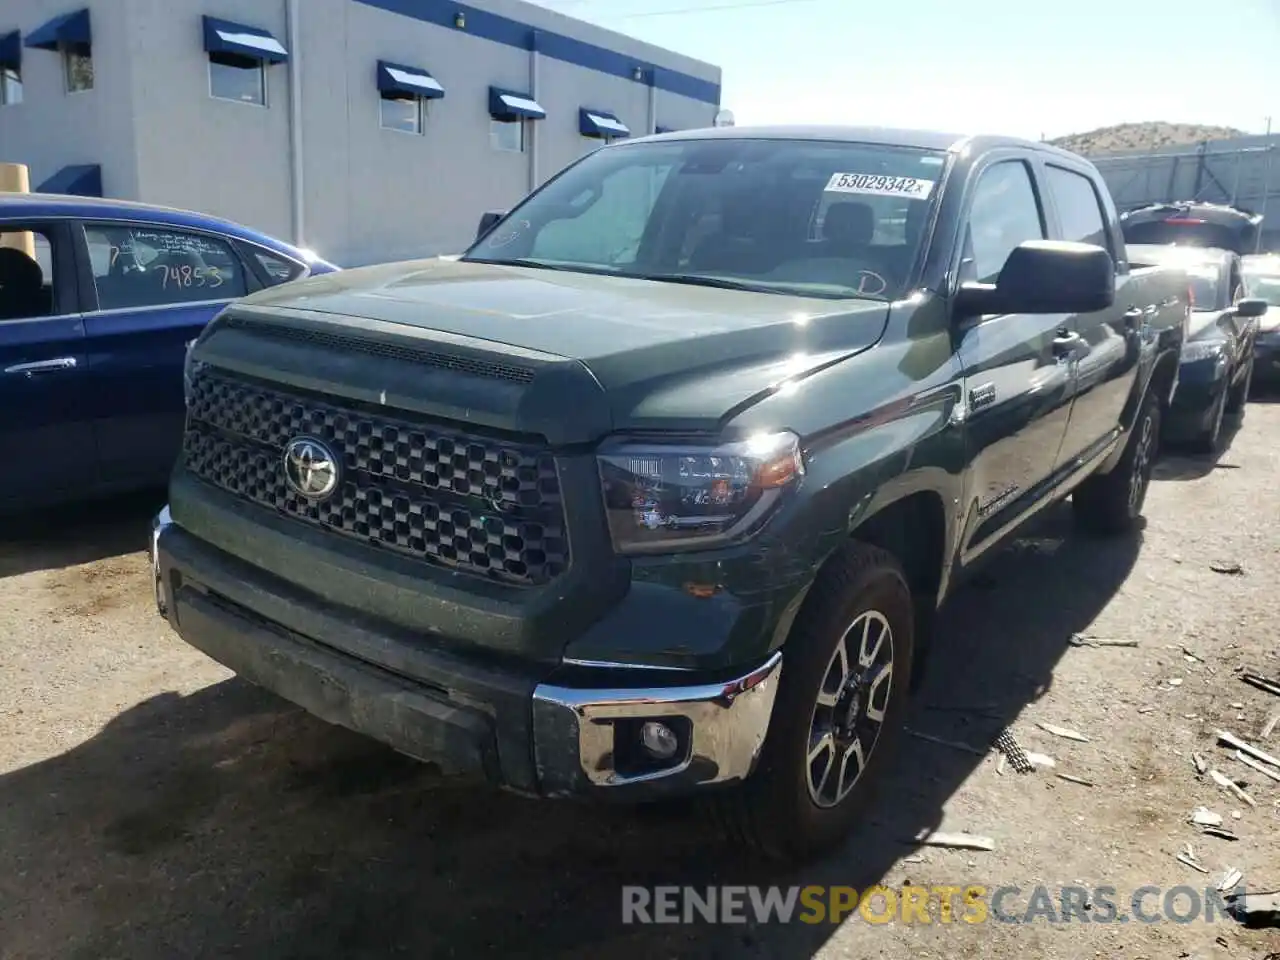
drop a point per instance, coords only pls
(881, 136)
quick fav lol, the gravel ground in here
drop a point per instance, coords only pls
(152, 805)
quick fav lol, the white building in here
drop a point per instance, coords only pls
(367, 130)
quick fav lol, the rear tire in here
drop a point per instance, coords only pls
(844, 686)
(1110, 504)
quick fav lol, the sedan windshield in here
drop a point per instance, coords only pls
(807, 218)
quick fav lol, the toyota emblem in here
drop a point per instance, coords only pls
(310, 468)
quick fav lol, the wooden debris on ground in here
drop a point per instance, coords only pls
(1253, 764)
(1070, 779)
(1066, 733)
(1262, 683)
(1271, 723)
(1201, 764)
(1222, 780)
(1229, 567)
(1188, 856)
(1233, 741)
(1221, 832)
(1204, 817)
(1041, 760)
(1230, 879)
(1083, 640)
(956, 841)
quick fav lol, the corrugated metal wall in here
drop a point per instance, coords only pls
(1244, 171)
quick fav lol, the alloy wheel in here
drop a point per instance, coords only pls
(849, 711)
(1142, 465)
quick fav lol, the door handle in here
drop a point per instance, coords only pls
(42, 366)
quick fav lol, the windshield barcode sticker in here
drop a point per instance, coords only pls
(880, 185)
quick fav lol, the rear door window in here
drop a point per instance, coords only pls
(27, 289)
(136, 267)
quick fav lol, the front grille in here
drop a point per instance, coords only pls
(486, 506)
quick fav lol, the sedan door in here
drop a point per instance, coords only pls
(157, 287)
(46, 436)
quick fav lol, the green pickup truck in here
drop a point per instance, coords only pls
(658, 487)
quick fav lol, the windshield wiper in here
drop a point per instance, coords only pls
(701, 280)
(541, 264)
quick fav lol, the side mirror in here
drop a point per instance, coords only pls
(1251, 307)
(1045, 276)
(488, 220)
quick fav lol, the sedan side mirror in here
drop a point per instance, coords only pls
(1251, 307)
(488, 221)
(1045, 276)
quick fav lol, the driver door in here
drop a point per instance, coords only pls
(1017, 382)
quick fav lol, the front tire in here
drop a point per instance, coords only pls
(1110, 504)
(1240, 393)
(845, 677)
(1209, 440)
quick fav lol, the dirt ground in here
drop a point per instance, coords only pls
(153, 806)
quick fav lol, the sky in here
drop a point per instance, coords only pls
(1021, 67)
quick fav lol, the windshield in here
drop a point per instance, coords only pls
(1264, 287)
(808, 218)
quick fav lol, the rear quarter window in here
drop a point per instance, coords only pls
(277, 269)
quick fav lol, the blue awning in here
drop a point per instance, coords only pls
(70, 29)
(223, 36)
(396, 78)
(597, 123)
(82, 180)
(11, 51)
(509, 105)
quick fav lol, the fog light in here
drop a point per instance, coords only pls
(659, 740)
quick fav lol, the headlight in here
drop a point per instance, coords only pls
(662, 497)
(1203, 350)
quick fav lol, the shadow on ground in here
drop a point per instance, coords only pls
(227, 823)
(1180, 462)
(78, 533)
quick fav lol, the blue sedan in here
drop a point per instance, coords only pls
(98, 302)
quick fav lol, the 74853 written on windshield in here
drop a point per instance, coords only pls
(821, 219)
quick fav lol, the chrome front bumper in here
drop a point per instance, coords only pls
(580, 735)
(158, 523)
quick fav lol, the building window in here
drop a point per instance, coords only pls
(408, 114)
(237, 78)
(77, 68)
(10, 87)
(507, 135)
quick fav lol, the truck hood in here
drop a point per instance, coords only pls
(605, 353)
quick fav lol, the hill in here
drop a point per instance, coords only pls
(1142, 136)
